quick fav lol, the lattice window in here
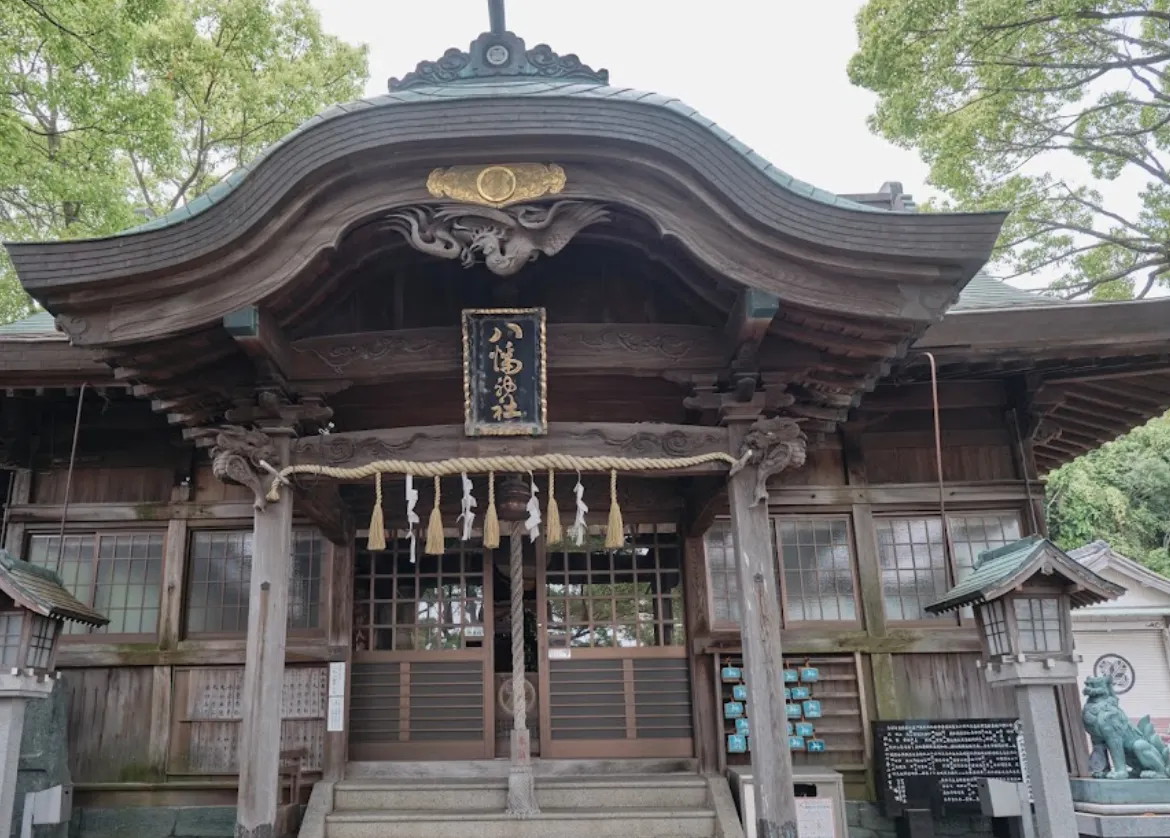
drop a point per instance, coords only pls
(817, 563)
(433, 603)
(976, 533)
(219, 574)
(721, 574)
(913, 558)
(617, 598)
(10, 626)
(995, 627)
(40, 641)
(119, 574)
(1038, 620)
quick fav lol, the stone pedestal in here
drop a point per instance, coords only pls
(15, 690)
(1121, 808)
(1046, 766)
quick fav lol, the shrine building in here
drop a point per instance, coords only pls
(517, 378)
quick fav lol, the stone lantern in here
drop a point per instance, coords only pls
(1023, 595)
(34, 606)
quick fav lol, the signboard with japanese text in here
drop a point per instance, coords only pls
(504, 372)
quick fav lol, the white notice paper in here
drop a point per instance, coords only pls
(814, 817)
(336, 720)
(560, 654)
(337, 679)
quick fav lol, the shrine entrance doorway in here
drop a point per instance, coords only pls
(421, 686)
(613, 675)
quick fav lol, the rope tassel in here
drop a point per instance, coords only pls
(614, 535)
(491, 520)
(376, 540)
(435, 527)
(554, 535)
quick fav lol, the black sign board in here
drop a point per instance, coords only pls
(504, 370)
(946, 757)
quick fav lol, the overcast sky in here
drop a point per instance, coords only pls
(770, 72)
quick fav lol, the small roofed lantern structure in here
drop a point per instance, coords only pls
(1023, 594)
(34, 606)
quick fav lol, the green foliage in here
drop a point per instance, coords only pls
(994, 92)
(113, 111)
(1120, 493)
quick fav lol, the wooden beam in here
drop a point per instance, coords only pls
(905, 494)
(747, 325)
(952, 395)
(583, 439)
(119, 513)
(258, 334)
(822, 641)
(321, 503)
(74, 655)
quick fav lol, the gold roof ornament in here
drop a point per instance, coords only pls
(497, 185)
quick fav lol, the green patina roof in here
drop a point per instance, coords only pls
(1007, 566)
(985, 292)
(39, 326)
(40, 590)
(504, 88)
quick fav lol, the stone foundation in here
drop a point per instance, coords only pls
(866, 821)
(154, 822)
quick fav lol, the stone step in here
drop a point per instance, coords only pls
(615, 792)
(550, 823)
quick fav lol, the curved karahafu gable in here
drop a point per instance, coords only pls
(737, 215)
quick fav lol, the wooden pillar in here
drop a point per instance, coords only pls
(260, 699)
(340, 637)
(704, 707)
(759, 605)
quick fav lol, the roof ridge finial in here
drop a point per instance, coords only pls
(496, 17)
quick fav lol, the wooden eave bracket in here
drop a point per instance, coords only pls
(257, 333)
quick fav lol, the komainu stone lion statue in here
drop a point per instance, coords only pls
(1135, 751)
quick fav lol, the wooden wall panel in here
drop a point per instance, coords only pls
(948, 687)
(208, 488)
(109, 725)
(961, 463)
(823, 467)
(206, 727)
(105, 485)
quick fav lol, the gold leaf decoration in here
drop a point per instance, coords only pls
(497, 185)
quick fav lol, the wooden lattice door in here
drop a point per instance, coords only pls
(422, 684)
(613, 666)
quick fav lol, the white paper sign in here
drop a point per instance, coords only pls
(473, 631)
(336, 720)
(560, 654)
(337, 679)
(814, 817)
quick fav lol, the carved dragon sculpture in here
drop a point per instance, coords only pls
(507, 239)
(775, 444)
(1134, 750)
(236, 459)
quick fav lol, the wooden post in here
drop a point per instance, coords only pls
(759, 605)
(260, 699)
(340, 638)
(701, 665)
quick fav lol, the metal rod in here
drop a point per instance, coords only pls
(496, 16)
(7, 509)
(69, 477)
(942, 501)
(1027, 476)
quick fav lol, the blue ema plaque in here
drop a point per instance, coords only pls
(790, 731)
(816, 746)
(736, 744)
(741, 727)
(804, 729)
(787, 694)
(732, 710)
(810, 674)
(739, 692)
(794, 711)
(796, 743)
(812, 709)
(791, 676)
(801, 693)
(732, 673)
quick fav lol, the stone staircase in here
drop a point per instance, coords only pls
(668, 805)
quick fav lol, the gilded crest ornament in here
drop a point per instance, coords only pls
(497, 185)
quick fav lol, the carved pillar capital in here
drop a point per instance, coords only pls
(238, 454)
(771, 446)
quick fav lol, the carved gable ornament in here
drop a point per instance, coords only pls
(505, 239)
(497, 185)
